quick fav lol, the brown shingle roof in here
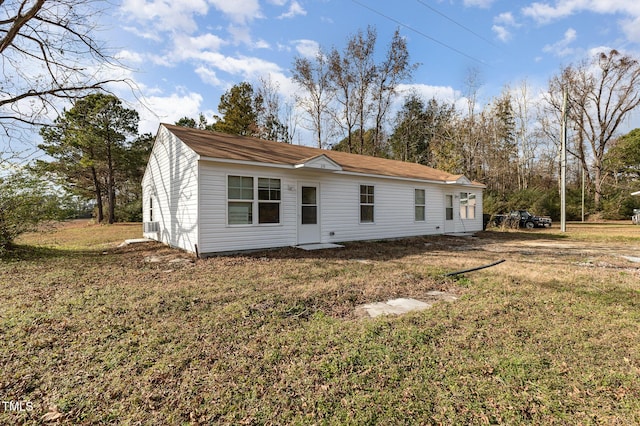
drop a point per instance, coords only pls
(241, 148)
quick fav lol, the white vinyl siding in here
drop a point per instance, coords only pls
(170, 185)
(217, 235)
(394, 209)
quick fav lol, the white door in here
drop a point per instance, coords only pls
(449, 225)
(308, 213)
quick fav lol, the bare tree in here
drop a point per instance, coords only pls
(601, 94)
(391, 72)
(313, 77)
(343, 83)
(470, 131)
(269, 111)
(49, 56)
(359, 54)
(525, 142)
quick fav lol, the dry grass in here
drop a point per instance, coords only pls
(549, 336)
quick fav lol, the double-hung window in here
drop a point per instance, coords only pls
(467, 205)
(366, 203)
(419, 205)
(268, 200)
(242, 201)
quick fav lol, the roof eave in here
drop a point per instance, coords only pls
(341, 172)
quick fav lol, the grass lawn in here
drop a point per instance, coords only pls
(93, 333)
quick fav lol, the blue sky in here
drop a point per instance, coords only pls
(184, 54)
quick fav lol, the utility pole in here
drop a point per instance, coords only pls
(563, 165)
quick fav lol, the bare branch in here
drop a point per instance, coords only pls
(48, 57)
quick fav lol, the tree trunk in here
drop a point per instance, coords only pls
(597, 185)
(111, 185)
(98, 192)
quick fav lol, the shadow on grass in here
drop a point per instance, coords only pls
(23, 252)
(390, 249)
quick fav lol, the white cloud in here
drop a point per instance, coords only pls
(505, 18)
(167, 109)
(186, 46)
(485, 4)
(240, 34)
(562, 48)
(501, 32)
(295, 9)
(599, 49)
(261, 44)
(154, 17)
(307, 48)
(504, 23)
(145, 34)
(208, 76)
(129, 57)
(441, 93)
(245, 66)
(631, 28)
(165, 15)
(240, 11)
(545, 12)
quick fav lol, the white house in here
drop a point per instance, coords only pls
(210, 193)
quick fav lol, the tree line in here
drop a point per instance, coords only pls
(349, 99)
(96, 160)
(511, 144)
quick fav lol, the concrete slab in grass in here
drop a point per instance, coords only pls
(403, 305)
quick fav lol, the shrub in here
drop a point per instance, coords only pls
(25, 203)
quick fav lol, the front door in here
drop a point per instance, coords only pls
(449, 225)
(308, 213)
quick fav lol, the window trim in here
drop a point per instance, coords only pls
(449, 208)
(254, 202)
(416, 205)
(278, 202)
(246, 201)
(468, 203)
(366, 204)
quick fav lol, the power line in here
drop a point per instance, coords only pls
(420, 33)
(433, 9)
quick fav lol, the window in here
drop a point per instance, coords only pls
(448, 208)
(309, 205)
(240, 200)
(366, 203)
(419, 205)
(150, 209)
(467, 205)
(268, 200)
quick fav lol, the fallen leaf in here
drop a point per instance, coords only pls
(52, 415)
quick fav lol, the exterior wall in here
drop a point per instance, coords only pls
(171, 182)
(339, 210)
(394, 209)
(459, 224)
(217, 236)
